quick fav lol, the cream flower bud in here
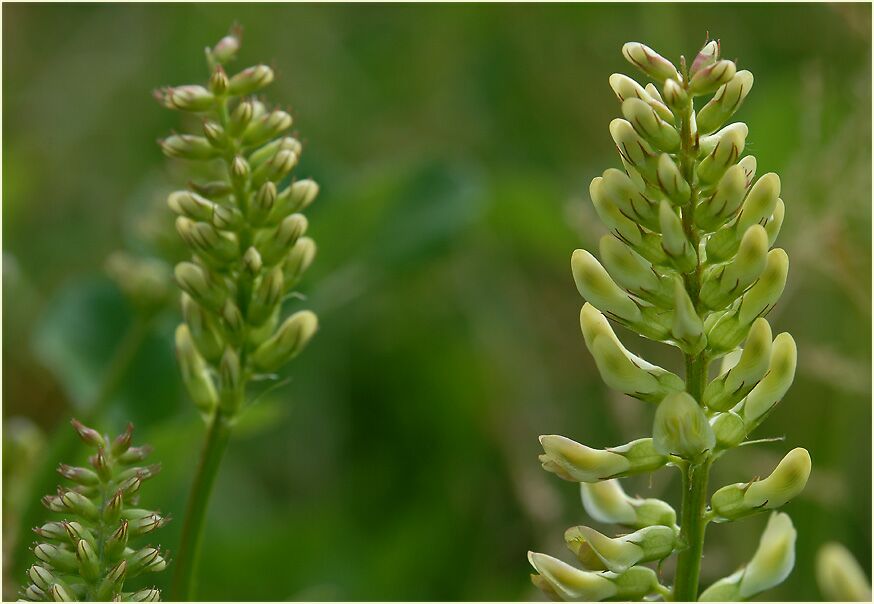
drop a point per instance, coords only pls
(648, 124)
(192, 205)
(571, 583)
(575, 462)
(620, 368)
(596, 286)
(212, 244)
(675, 95)
(620, 554)
(771, 389)
(148, 559)
(725, 153)
(706, 57)
(274, 244)
(764, 294)
(607, 502)
(266, 127)
(674, 241)
(226, 48)
(727, 197)
(645, 243)
(231, 378)
(218, 81)
(203, 327)
(288, 341)
(295, 198)
(266, 297)
(277, 168)
(41, 577)
(216, 135)
(146, 595)
(725, 102)
(839, 576)
(89, 562)
(59, 593)
(188, 146)
(687, 328)
(262, 204)
(786, 481)
(649, 61)
(770, 565)
(757, 208)
(80, 505)
(730, 387)
(710, 78)
(241, 116)
(725, 331)
(298, 261)
(187, 98)
(633, 149)
(671, 181)
(616, 188)
(239, 172)
(265, 152)
(722, 284)
(250, 80)
(626, 88)
(772, 227)
(633, 273)
(194, 372)
(112, 582)
(774, 558)
(61, 559)
(578, 463)
(681, 427)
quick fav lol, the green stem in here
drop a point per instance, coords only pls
(65, 442)
(693, 521)
(198, 502)
(692, 527)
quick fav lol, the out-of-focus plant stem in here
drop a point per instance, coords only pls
(198, 503)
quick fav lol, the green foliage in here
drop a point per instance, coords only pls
(688, 264)
(88, 556)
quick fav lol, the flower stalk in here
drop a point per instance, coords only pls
(687, 262)
(246, 235)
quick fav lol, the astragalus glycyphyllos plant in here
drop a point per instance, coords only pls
(87, 556)
(688, 261)
(246, 235)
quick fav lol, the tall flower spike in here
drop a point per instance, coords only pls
(688, 261)
(245, 233)
(86, 556)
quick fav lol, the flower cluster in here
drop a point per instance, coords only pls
(245, 232)
(87, 556)
(688, 261)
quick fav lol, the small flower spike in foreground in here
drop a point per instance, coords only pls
(247, 238)
(88, 554)
(688, 261)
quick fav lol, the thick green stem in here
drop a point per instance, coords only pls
(692, 527)
(198, 502)
(64, 442)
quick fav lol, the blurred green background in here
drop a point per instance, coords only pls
(454, 145)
